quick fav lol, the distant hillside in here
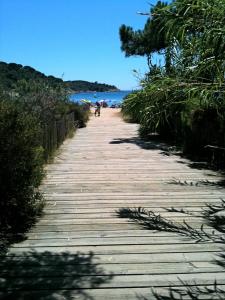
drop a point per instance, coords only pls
(81, 85)
(12, 73)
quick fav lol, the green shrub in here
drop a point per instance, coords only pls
(133, 105)
(81, 113)
(192, 116)
(21, 160)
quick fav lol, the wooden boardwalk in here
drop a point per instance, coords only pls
(82, 249)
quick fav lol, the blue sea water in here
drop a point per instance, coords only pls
(112, 98)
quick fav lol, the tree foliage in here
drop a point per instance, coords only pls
(82, 85)
(185, 98)
(12, 75)
(147, 41)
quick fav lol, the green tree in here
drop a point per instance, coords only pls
(180, 97)
(147, 41)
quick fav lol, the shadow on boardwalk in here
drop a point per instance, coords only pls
(191, 292)
(214, 216)
(154, 144)
(47, 275)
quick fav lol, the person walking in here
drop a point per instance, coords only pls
(97, 109)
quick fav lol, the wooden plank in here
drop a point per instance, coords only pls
(50, 270)
(107, 226)
(119, 248)
(106, 213)
(68, 240)
(116, 220)
(45, 256)
(106, 210)
(119, 281)
(60, 233)
(100, 294)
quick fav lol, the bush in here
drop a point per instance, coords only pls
(81, 113)
(192, 118)
(21, 159)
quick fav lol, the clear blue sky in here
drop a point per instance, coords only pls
(77, 38)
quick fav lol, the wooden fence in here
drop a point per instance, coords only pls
(55, 132)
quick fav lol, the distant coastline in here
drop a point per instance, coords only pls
(82, 86)
(91, 91)
(11, 73)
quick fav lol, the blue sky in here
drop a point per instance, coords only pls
(76, 39)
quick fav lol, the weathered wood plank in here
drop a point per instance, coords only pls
(118, 281)
(50, 270)
(100, 294)
(111, 249)
(37, 234)
(44, 256)
(68, 240)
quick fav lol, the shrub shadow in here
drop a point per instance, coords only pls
(214, 215)
(198, 183)
(48, 275)
(152, 221)
(167, 148)
(148, 144)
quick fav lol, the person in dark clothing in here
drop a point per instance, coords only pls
(97, 109)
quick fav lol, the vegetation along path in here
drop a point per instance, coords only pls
(91, 242)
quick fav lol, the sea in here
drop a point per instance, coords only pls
(111, 98)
